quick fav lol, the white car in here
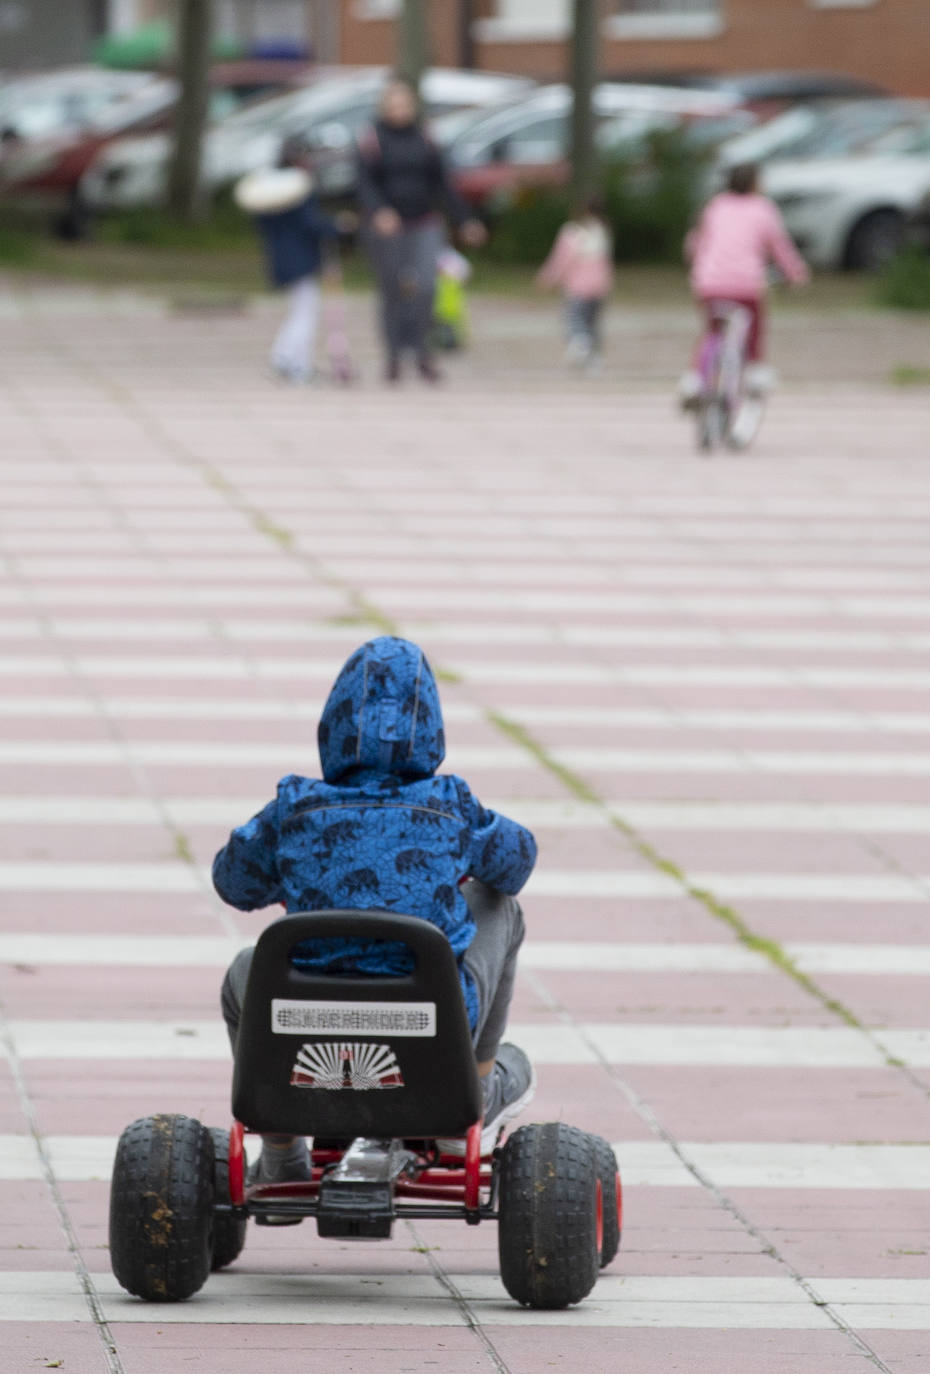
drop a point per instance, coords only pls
(329, 112)
(65, 100)
(851, 212)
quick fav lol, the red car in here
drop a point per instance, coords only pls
(42, 175)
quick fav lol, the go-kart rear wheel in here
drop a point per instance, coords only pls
(548, 1224)
(161, 1208)
(228, 1231)
(608, 1173)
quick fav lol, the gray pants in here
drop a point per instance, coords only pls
(491, 959)
(583, 322)
(405, 265)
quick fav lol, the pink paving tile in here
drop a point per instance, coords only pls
(586, 1095)
(602, 1350)
(95, 1098)
(904, 1352)
(775, 1104)
(30, 1227)
(200, 780)
(604, 847)
(104, 843)
(100, 913)
(786, 851)
(826, 1233)
(753, 999)
(879, 1000)
(606, 918)
(48, 729)
(240, 1349)
(130, 993)
(37, 1345)
(708, 785)
(835, 922)
(51, 780)
(906, 851)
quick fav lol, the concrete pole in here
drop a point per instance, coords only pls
(466, 35)
(583, 78)
(412, 41)
(185, 197)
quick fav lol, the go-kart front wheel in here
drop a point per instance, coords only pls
(608, 1173)
(228, 1231)
(548, 1223)
(161, 1208)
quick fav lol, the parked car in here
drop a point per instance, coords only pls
(829, 128)
(42, 174)
(328, 113)
(766, 93)
(71, 117)
(42, 104)
(851, 212)
(526, 142)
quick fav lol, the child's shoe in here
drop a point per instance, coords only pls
(689, 389)
(508, 1088)
(284, 1159)
(578, 350)
(760, 379)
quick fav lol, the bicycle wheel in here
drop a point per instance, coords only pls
(745, 422)
(711, 423)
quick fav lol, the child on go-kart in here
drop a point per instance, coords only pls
(382, 830)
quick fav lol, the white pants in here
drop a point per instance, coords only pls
(294, 347)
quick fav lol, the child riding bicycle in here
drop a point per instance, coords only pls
(740, 233)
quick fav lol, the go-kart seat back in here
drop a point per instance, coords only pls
(359, 1055)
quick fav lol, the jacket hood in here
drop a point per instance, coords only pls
(383, 714)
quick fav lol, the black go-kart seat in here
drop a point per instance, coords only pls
(360, 1055)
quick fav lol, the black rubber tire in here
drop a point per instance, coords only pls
(608, 1171)
(547, 1231)
(873, 242)
(712, 424)
(161, 1208)
(228, 1231)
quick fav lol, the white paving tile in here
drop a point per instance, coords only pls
(592, 956)
(628, 1043)
(903, 818)
(318, 1297)
(623, 884)
(744, 760)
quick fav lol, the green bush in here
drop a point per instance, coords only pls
(224, 227)
(17, 247)
(905, 282)
(651, 200)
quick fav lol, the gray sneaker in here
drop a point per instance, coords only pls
(508, 1088)
(280, 1163)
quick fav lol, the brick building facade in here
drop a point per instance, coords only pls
(886, 41)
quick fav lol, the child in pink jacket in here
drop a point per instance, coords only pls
(581, 263)
(738, 235)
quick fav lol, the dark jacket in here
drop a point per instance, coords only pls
(381, 829)
(403, 169)
(293, 241)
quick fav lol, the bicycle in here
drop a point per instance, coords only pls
(727, 413)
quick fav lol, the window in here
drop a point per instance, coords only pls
(516, 21)
(665, 19)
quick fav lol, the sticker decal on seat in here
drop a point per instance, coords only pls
(348, 1018)
(355, 1065)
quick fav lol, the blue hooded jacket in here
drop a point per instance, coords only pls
(293, 241)
(381, 829)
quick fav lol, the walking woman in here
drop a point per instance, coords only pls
(403, 185)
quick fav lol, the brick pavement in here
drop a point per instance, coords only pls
(702, 683)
